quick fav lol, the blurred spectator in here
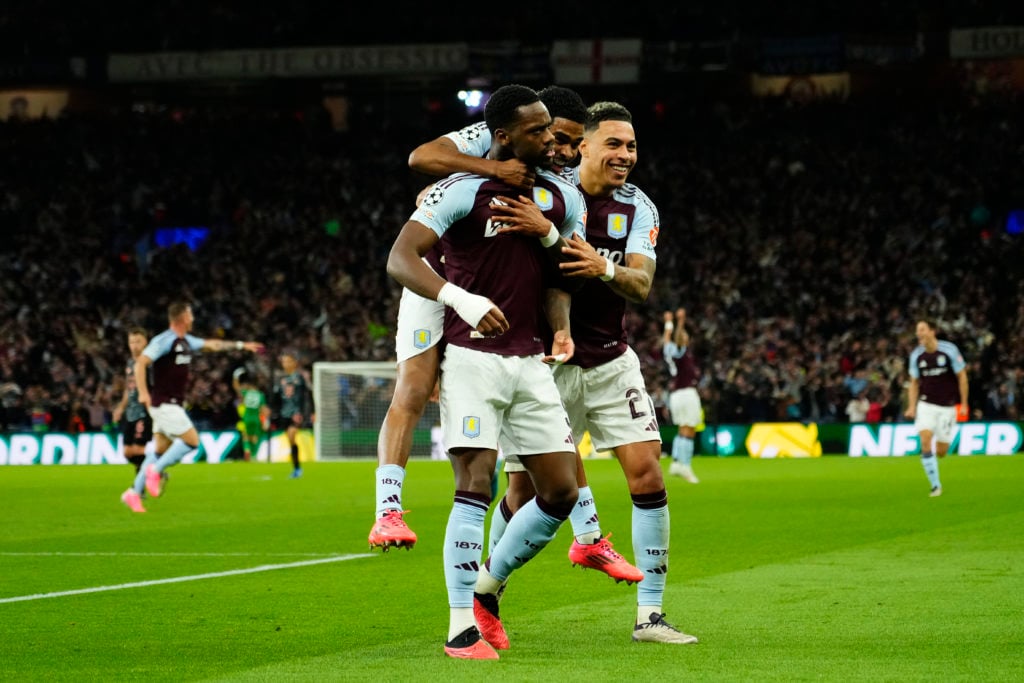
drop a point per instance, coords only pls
(857, 407)
(807, 240)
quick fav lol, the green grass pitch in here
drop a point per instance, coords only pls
(834, 569)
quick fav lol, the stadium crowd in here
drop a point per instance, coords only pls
(51, 28)
(805, 241)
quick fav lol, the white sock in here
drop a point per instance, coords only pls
(643, 613)
(485, 583)
(461, 618)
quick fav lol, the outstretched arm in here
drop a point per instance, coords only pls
(225, 345)
(440, 157)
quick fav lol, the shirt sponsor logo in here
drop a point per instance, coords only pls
(615, 257)
(494, 223)
(182, 359)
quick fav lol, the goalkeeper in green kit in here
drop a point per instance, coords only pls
(253, 411)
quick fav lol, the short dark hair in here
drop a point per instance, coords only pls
(176, 309)
(563, 103)
(141, 331)
(501, 109)
(930, 323)
(605, 111)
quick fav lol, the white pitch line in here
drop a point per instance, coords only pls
(182, 579)
(130, 554)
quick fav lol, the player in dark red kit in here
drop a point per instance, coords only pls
(494, 382)
(169, 354)
(602, 386)
(683, 400)
(938, 390)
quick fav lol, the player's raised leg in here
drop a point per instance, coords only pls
(420, 327)
(415, 383)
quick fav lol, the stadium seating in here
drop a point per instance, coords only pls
(804, 242)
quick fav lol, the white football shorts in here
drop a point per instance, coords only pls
(486, 397)
(610, 400)
(513, 464)
(684, 405)
(170, 419)
(420, 325)
(939, 420)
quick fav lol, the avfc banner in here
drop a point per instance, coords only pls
(96, 448)
(439, 59)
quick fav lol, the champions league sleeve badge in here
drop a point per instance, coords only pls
(433, 197)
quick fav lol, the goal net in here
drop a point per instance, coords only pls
(351, 401)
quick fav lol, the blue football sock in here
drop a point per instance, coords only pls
(685, 449)
(499, 522)
(585, 525)
(530, 529)
(931, 468)
(139, 485)
(677, 448)
(463, 546)
(390, 479)
(650, 545)
(173, 455)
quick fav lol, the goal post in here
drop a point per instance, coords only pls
(351, 400)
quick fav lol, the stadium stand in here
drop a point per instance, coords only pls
(804, 239)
